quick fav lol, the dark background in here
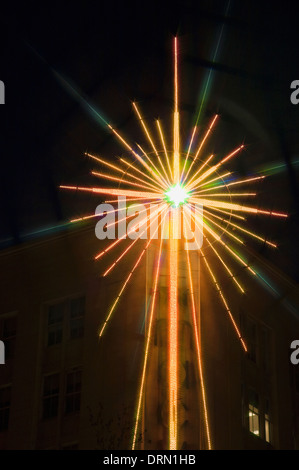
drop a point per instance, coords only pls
(116, 52)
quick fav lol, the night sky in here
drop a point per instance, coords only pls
(115, 52)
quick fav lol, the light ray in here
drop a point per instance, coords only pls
(124, 172)
(126, 217)
(215, 167)
(224, 301)
(254, 235)
(225, 266)
(122, 180)
(204, 164)
(213, 180)
(188, 152)
(236, 207)
(248, 180)
(115, 192)
(223, 229)
(143, 163)
(226, 194)
(162, 186)
(144, 153)
(201, 145)
(164, 148)
(113, 244)
(218, 239)
(220, 292)
(198, 349)
(91, 216)
(173, 332)
(230, 214)
(134, 241)
(176, 122)
(150, 140)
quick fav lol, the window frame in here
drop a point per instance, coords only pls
(46, 397)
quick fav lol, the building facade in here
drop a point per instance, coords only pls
(63, 387)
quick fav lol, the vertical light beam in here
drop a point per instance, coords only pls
(176, 131)
(173, 330)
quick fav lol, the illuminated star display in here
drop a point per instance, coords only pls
(167, 179)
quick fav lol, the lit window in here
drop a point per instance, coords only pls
(253, 409)
(73, 392)
(51, 396)
(5, 394)
(8, 331)
(55, 323)
(77, 310)
(267, 422)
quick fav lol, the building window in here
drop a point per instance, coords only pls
(8, 332)
(253, 410)
(51, 396)
(55, 323)
(77, 310)
(5, 397)
(73, 392)
(268, 437)
(65, 320)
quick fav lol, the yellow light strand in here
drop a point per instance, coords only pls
(224, 302)
(142, 173)
(112, 245)
(131, 244)
(199, 358)
(143, 163)
(189, 149)
(225, 265)
(205, 163)
(254, 235)
(173, 333)
(201, 145)
(151, 141)
(164, 148)
(124, 172)
(176, 124)
(115, 192)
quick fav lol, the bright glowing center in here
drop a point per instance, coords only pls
(176, 195)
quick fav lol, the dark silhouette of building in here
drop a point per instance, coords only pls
(64, 388)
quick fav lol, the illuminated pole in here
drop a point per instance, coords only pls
(173, 330)
(176, 130)
(173, 270)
